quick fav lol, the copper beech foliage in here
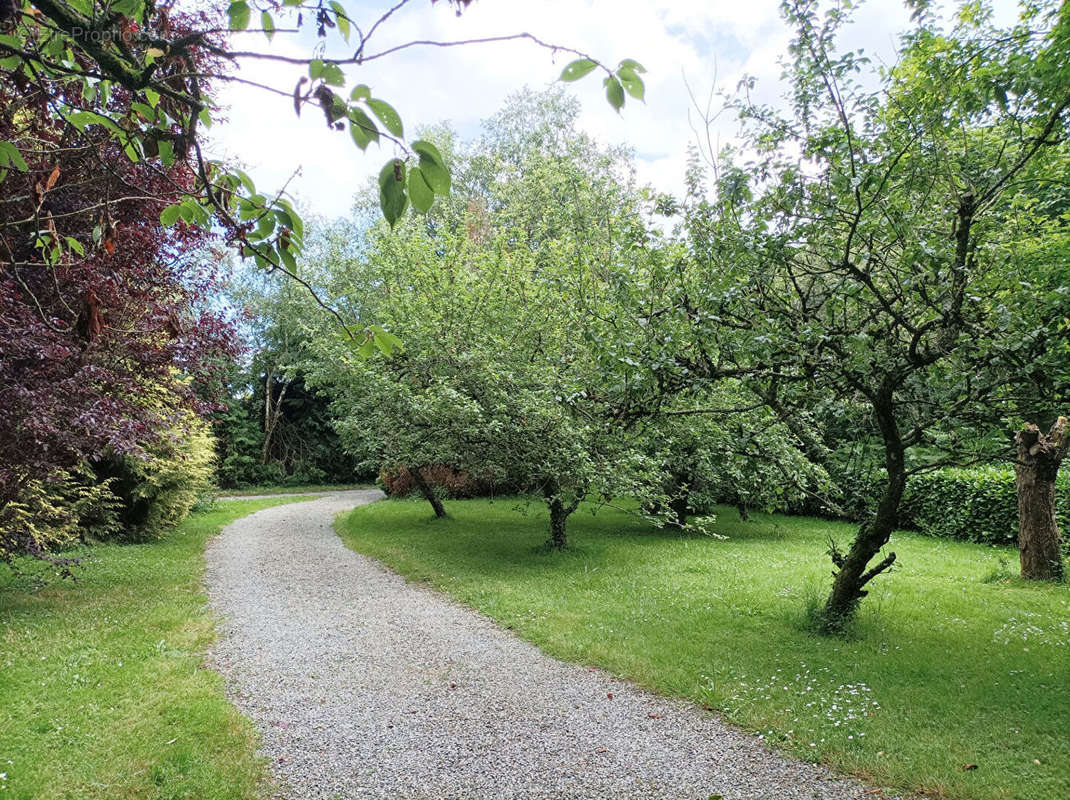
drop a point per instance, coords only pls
(106, 335)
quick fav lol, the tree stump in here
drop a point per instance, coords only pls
(1039, 540)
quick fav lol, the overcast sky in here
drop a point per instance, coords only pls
(710, 42)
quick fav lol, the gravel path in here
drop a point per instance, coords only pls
(364, 686)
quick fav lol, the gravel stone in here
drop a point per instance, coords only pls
(365, 686)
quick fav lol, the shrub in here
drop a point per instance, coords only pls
(47, 516)
(158, 491)
(454, 483)
(977, 504)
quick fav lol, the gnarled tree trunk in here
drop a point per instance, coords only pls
(851, 576)
(1039, 540)
(427, 491)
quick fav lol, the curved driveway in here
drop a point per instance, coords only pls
(365, 686)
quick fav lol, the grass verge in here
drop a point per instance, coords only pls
(103, 690)
(954, 683)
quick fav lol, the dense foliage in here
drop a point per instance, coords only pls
(977, 504)
(104, 313)
(883, 244)
(518, 306)
(167, 66)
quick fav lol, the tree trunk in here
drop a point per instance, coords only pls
(272, 414)
(744, 514)
(427, 491)
(558, 518)
(680, 510)
(1039, 540)
(265, 447)
(559, 513)
(852, 576)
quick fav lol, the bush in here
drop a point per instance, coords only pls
(977, 504)
(158, 491)
(454, 484)
(47, 516)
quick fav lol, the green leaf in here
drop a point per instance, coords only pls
(366, 349)
(315, 68)
(341, 19)
(169, 216)
(360, 92)
(153, 97)
(332, 74)
(75, 245)
(361, 128)
(268, 24)
(133, 150)
(420, 192)
(144, 110)
(167, 152)
(11, 155)
(387, 115)
(632, 83)
(614, 92)
(385, 340)
(392, 197)
(264, 228)
(632, 64)
(128, 8)
(433, 167)
(246, 181)
(288, 260)
(297, 224)
(575, 70)
(239, 13)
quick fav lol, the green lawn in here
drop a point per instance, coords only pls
(954, 662)
(103, 689)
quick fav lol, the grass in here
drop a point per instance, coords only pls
(953, 663)
(256, 491)
(103, 689)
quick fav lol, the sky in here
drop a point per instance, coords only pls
(705, 44)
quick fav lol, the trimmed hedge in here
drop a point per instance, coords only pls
(977, 504)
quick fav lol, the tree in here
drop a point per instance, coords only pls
(167, 66)
(105, 313)
(502, 298)
(866, 250)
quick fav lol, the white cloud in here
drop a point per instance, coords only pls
(705, 41)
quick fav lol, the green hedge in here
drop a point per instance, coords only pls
(977, 504)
